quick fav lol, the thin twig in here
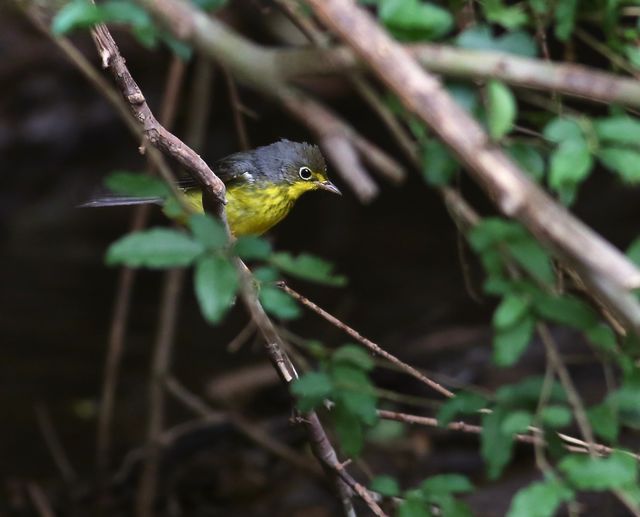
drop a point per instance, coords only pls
(39, 500)
(236, 108)
(376, 349)
(51, 438)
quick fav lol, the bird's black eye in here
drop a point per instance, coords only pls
(305, 173)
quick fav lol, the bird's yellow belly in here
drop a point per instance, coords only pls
(250, 211)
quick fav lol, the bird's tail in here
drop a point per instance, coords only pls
(116, 200)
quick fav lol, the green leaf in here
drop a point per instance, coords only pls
(438, 166)
(307, 267)
(512, 308)
(509, 343)
(502, 109)
(385, 431)
(76, 14)
(533, 258)
(354, 355)
(311, 389)
(279, 303)
(446, 484)
(216, 283)
(209, 5)
(527, 392)
(496, 446)
(528, 158)
(540, 499)
(266, 274)
(516, 422)
(349, 430)
(624, 162)
(619, 129)
(413, 506)
(492, 231)
(208, 231)
(633, 55)
(480, 37)
(603, 337)
(355, 392)
(565, 18)
(463, 402)
(251, 247)
(556, 416)
(512, 17)
(136, 185)
(567, 310)
(586, 473)
(385, 485)
(633, 251)
(604, 421)
(561, 129)
(154, 248)
(570, 164)
(415, 20)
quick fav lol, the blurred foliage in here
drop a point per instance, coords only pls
(559, 148)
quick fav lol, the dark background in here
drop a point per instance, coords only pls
(401, 253)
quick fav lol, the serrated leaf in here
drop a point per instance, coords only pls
(415, 20)
(496, 446)
(516, 422)
(136, 184)
(587, 473)
(311, 389)
(511, 309)
(354, 355)
(528, 158)
(385, 485)
(307, 267)
(446, 484)
(349, 430)
(509, 343)
(251, 247)
(619, 129)
(438, 166)
(622, 161)
(463, 403)
(540, 499)
(208, 231)
(279, 303)
(154, 248)
(216, 283)
(502, 109)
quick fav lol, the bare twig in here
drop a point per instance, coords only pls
(376, 349)
(39, 500)
(51, 438)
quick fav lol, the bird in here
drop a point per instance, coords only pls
(262, 185)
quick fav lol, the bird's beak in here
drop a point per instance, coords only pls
(329, 187)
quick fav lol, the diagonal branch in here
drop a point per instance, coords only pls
(513, 192)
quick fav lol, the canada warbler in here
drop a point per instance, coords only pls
(262, 185)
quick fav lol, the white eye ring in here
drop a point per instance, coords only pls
(305, 173)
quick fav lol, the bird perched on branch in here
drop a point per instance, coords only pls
(262, 185)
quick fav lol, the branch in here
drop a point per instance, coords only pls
(514, 193)
(155, 133)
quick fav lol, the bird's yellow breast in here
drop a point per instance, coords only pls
(252, 210)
